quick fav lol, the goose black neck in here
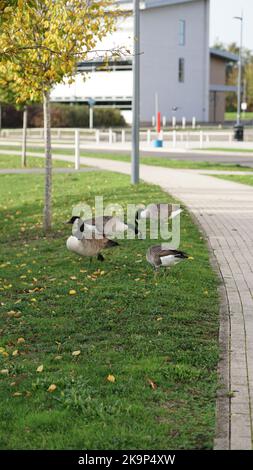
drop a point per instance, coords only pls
(136, 223)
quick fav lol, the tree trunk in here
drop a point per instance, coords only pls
(24, 136)
(48, 156)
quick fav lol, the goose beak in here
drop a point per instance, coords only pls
(68, 222)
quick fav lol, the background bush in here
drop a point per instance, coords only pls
(63, 115)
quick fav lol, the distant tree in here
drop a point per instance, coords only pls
(232, 74)
(50, 36)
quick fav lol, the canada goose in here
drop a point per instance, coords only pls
(106, 225)
(158, 257)
(89, 246)
(156, 211)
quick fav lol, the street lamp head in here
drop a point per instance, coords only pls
(238, 18)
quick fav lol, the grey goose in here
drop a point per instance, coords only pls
(159, 257)
(90, 246)
(106, 224)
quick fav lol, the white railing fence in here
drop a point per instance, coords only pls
(172, 139)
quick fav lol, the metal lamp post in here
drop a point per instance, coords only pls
(136, 95)
(239, 85)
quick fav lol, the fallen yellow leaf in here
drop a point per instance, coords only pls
(111, 378)
(57, 358)
(52, 388)
(4, 353)
(76, 353)
(4, 371)
(15, 353)
(17, 394)
(14, 314)
(21, 340)
(72, 292)
(40, 368)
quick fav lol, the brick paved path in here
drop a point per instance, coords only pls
(225, 211)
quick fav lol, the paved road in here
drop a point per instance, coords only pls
(225, 212)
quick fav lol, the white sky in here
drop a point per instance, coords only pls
(225, 28)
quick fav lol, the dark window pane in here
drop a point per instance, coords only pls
(181, 70)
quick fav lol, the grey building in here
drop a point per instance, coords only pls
(176, 62)
(175, 58)
(177, 65)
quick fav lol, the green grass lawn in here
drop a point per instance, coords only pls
(147, 160)
(157, 336)
(14, 161)
(233, 150)
(232, 116)
(244, 179)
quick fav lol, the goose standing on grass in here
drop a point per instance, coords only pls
(159, 211)
(89, 247)
(106, 224)
(158, 257)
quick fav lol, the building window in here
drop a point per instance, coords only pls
(181, 70)
(181, 32)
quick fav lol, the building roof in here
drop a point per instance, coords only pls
(146, 4)
(229, 56)
(164, 3)
(119, 64)
(223, 88)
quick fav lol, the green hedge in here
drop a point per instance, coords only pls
(63, 115)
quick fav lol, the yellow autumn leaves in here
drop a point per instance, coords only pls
(42, 45)
(111, 378)
(14, 353)
(76, 353)
(91, 277)
(72, 292)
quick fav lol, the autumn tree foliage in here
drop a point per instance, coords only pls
(232, 74)
(46, 39)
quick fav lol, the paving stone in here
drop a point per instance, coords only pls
(243, 443)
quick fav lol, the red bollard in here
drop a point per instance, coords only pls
(158, 122)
